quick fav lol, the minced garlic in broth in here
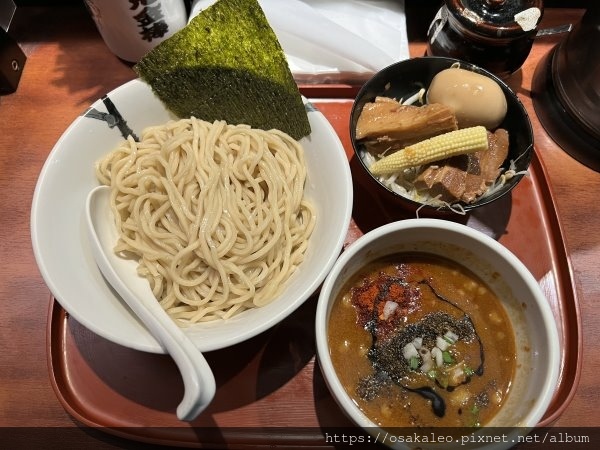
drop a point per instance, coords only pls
(370, 342)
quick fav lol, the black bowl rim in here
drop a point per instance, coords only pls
(526, 155)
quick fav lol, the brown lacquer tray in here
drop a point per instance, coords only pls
(270, 391)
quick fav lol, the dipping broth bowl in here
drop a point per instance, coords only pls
(537, 348)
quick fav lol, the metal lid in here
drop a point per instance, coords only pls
(497, 18)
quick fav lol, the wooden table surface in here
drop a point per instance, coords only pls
(68, 68)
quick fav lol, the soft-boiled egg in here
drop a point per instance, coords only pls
(474, 98)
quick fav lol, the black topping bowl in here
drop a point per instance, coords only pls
(405, 78)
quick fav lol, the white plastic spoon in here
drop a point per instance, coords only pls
(198, 379)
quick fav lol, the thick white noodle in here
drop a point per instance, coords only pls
(214, 213)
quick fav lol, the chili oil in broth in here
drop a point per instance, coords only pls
(428, 302)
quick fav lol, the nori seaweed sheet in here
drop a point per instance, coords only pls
(227, 64)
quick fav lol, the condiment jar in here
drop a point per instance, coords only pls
(494, 34)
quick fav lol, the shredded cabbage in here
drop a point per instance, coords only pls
(402, 183)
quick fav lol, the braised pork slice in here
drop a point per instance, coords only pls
(447, 181)
(387, 123)
(487, 166)
(466, 177)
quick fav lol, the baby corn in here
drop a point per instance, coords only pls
(459, 142)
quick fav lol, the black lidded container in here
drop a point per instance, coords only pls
(492, 34)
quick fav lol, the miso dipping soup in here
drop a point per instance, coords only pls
(420, 341)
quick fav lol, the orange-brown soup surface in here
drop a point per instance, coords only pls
(418, 340)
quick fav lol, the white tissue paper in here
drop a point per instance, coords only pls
(332, 41)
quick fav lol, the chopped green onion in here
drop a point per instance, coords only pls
(450, 337)
(442, 343)
(413, 362)
(442, 379)
(409, 351)
(475, 416)
(447, 357)
(468, 371)
(417, 342)
(432, 374)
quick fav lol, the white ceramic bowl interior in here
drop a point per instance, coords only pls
(65, 258)
(538, 349)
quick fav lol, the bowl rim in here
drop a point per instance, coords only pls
(549, 329)
(508, 91)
